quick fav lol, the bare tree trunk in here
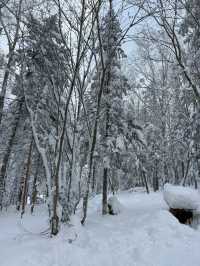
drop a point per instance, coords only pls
(25, 186)
(195, 183)
(105, 170)
(107, 122)
(55, 218)
(91, 156)
(91, 151)
(34, 192)
(94, 178)
(79, 189)
(95, 128)
(186, 171)
(155, 178)
(105, 191)
(176, 176)
(145, 180)
(19, 198)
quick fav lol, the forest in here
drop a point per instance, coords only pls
(97, 97)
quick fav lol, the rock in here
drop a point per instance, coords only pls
(114, 206)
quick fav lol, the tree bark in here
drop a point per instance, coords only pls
(105, 192)
(94, 178)
(155, 178)
(25, 186)
(105, 170)
(34, 192)
(145, 181)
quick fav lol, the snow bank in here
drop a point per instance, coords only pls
(115, 205)
(132, 238)
(178, 197)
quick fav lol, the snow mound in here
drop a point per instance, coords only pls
(114, 205)
(179, 197)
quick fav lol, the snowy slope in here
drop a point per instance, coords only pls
(143, 234)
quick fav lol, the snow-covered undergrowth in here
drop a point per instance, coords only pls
(114, 205)
(143, 234)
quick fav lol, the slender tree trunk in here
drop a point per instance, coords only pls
(96, 123)
(25, 186)
(94, 178)
(145, 181)
(34, 192)
(92, 149)
(79, 189)
(19, 198)
(105, 170)
(155, 178)
(166, 178)
(195, 183)
(105, 191)
(55, 218)
(91, 153)
(186, 171)
(176, 176)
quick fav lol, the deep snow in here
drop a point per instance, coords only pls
(143, 234)
(179, 197)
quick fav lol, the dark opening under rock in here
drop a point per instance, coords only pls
(110, 210)
(184, 216)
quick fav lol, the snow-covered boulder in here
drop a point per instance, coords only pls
(114, 206)
(183, 202)
(179, 197)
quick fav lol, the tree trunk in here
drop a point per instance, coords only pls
(186, 171)
(34, 192)
(105, 192)
(92, 148)
(25, 186)
(105, 170)
(94, 178)
(79, 189)
(55, 218)
(155, 178)
(95, 128)
(145, 181)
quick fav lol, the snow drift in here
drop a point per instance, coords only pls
(114, 205)
(179, 197)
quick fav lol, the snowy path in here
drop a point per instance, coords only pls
(144, 234)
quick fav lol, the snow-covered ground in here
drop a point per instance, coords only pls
(143, 234)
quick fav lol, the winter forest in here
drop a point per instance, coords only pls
(99, 115)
